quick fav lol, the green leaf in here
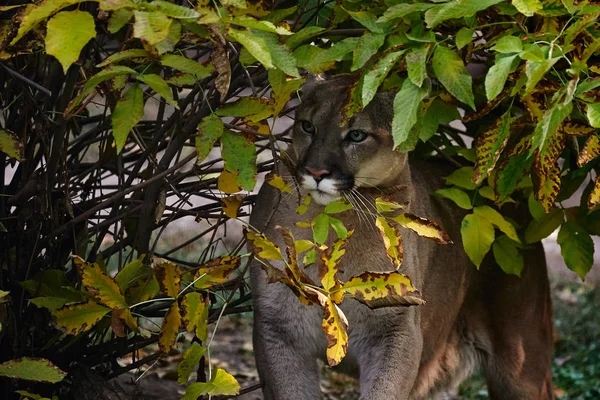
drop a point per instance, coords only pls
(577, 248)
(249, 22)
(477, 236)
(50, 303)
(244, 107)
(11, 145)
(401, 10)
(498, 220)
(118, 19)
(239, 155)
(185, 64)
(67, 32)
(159, 85)
(508, 256)
(128, 112)
(508, 44)
(462, 177)
(124, 55)
(189, 362)
(337, 207)
(593, 114)
(195, 314)
(209, 130)
(586, 86)
(151, 27)
(416, 59)
(512, 173)
(334, 53)
(549, 124)
(451, 72)
(464, 37)
(439, 112)
(544, 226)
(32, 369)
(456, 195)
(309, 257)
(375, 76)
(406, 106)
(535, 71)
(338, 226)
(368, 20)
(321, 228)
(527, 7)
(497, 75)
(221, 383)
(76, 318)
(456, 9)
(171, 10)
(532, 52)
(368, 44)
(267, 49)
(303, 35)
(131, 273)
(535, 208)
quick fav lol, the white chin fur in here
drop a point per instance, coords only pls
(323, 192)
(324, 198)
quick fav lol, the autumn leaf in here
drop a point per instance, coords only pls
(168, 276)
(387, 205)
(195, 314)
(594, 198)
(590, 150)
(548, 186)
(263, 247)
(383, 290)
(334, 325)
(189, 362)
(227, 182)
(232, 204)
(32, 369)
(292, 267)
(423, 227)
(216, 271)
(329, 268)
(100, 285)
(170, 328)
(73, 319)
(278, 183)
(221, 383)
(490, 145)
(392, 239)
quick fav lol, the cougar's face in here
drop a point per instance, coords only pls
(334, 158)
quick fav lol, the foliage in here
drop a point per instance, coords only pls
(121, 118)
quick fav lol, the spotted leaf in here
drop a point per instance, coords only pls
(423, 227)
(383, 290)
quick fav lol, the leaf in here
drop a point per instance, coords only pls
(249, 22)
(577, 248)
(171, 10)
(99, 284)
(303, 208)
(227, 182)
(159, 85)
(232, 204)
(527, 7)
(152, 27)
(216, 271)
(548, 187)
(338, 226)
(189, 362)
(220, 60)
(549, 124)
(278, 183)
(170, 328)
(143, 290)
(375, 76)
(187, 65)
(498, 220)
(535, 71)
(508, 44)
(244, 107)
(368, 20)
(209, 130)
(591, 150)
(490, 145)
(168, 276)
(195, 314)
(383, 204)
(338, 206)
(406, 106)
(283, 89)
(402, 10)
(34, 14)
(11, 145)
(131, 273)
(423, 227)
(511, 173)
(73, 319)
(67, 33)
(334, 325)
(593, 114)
(594, 198)
(464, 37)
(334, 53)
(387, 289)
(392, 239)
(118, 19)
(303, 35)
(50, 303)
(456, 9)
(543, 227)
(497, 76)
(124, 55)
(451, 72)
(263, 247)
(267, 49)
(457, 196)
(329, 268)
(303, 245)
(416, 59)
(508, 256)
(221, 383)
(128, 112)
(477, 235)
(462, 177)
(32, 369)
(239, 155)
(321, 228)
(368, 44)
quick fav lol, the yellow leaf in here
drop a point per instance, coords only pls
(392, 239)
(548, 186)
(195, 314)
(590, 151)
(128, 318)
(303, 224)
(423, 227)
(278, 183)
(334, 325)
(216, 271)
(66, 35)
(303, 208)
(232, 204)
(387, 205)
(263, 247)
(168, 276)
(576, 129)
(383, 290)
(73, 319)
(100, 285)
(329, 267)
(143, 290)
(292, 268)
(170, 328)
(303, 245)
(594, 198)
(227, 182)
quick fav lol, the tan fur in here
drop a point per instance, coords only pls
(472, 318)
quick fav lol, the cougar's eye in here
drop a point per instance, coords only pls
(357, 136)
(307, 127)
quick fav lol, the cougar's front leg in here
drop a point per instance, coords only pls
(389, 355)
(285, 345)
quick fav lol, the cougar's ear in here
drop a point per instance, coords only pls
(312, 84)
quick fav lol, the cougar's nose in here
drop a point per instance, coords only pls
(318, 174)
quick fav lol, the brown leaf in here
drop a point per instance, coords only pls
(292, 268)
(216, 271)
(220, 61)
(590, 151)
(547, 185)
(594, 198)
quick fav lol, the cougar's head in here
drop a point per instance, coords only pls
(334, 158)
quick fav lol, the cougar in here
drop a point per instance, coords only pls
(472, 318)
